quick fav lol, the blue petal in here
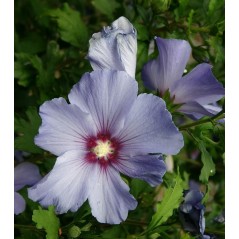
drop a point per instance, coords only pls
(64, 127)
(213, 108)
(149, 128)
(19, 203)
(25, 174)
(193, 197)
(186, 207)
(150, 76)
(202, 221)
(192, 212)
(114, 47)
(68, 185)
(107, 95)
(194, 110)
(199, 86)
(110, 199)
(193, 220)
(168, 68)
(150, 168)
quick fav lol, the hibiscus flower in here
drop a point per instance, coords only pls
(105, 130)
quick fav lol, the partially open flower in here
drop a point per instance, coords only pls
(197, 91)
(115, 47)
(191, 212)
(105, 130)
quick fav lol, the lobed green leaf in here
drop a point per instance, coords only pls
(71, 27)
(26, 130)
(208, 168)
(47, 219)
(171, 201)
(106, 7)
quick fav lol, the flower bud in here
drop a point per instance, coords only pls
(115, 47)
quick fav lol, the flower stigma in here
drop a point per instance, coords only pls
(103, 149)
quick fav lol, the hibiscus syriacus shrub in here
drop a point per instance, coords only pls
(119, 119)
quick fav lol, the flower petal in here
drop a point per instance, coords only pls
(127, 48)
(149, 128)
(193, 197)
(150, 76)
(193, 221)
(168, 68)
(107, 95)
(199, 85)
(186, 208)
(63, 127)
(213, 108)
(19, 203)
(25, 174)
(114, 47)
(150, 168)
(191, 212)
(194, 110)
(68, 185)
(110, 199)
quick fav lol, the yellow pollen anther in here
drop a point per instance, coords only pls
(103, 148)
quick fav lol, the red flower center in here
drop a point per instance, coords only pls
(102, 149)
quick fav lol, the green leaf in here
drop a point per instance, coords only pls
(46, 67)
(138, 186)
(22, 74)
(190, 21)
(187, 236)
(171, 200)
(200, 54)
(160, 5)
(32, 43)
(28, 234)
(181, 11)
(47, 220)
(207, 194)
(39, 10)
(208, 168)
(106, 7)
(142, 31)
(71, 27)
(23, 68)
(183, 3)
(30, 68)
(24, 65)
(143, 13)
(215, 7)
(86, 227)
(27, 129)
(114, 232)
(212, 6)
(218, 50)
(142, 55)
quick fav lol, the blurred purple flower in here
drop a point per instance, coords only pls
(220, 218)
(194, 185)
(105, 130)
(191, 213)
(197, 91)
(24, 174)
(114, 47)
(19, 155)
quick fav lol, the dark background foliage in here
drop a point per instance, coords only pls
(51, 43)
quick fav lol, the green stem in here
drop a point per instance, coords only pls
(218, 116)
(215, 232)
(29, 227)
(136, 223)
